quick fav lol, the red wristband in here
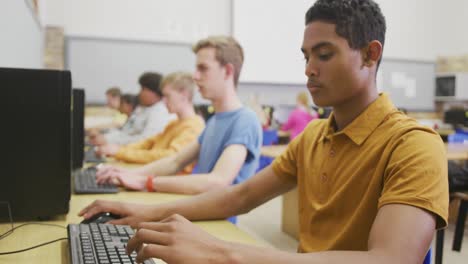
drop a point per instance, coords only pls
(149, 184)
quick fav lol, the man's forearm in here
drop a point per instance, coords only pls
(238, 253)
(206, 206)
(188, 184)
(165, 166)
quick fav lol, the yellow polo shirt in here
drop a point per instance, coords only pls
(343, 178)
(176, 135)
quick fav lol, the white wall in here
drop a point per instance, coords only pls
(271, 33)
(21, 36)
(53, 12)
(270, 30)
(179, 21)
(451, 19)
(411, 29)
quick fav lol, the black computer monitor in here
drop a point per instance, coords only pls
(35, 138)
(445, 86)
(77, 146)
(456, 117)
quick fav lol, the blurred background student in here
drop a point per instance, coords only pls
(300, 116)
(150, 117)
(178, 89)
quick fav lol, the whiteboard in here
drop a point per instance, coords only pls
(410, 84)
(97, 64)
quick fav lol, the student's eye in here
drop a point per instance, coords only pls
(325, 57)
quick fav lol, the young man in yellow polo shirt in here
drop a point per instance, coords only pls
(372, 182)
(177, 89)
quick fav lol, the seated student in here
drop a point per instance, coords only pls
(299, 117)
(227, 151)
(372, 182)
(113, 98)
(254, 104)
(113, 95)
(128, 104)
(177, 89)
(149, 118)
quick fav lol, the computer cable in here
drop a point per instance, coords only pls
(33, 247)
(9, 232)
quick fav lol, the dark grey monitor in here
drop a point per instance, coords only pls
(35, 137)
(456, 117)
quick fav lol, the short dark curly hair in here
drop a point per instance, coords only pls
(151, 81)
(358, 21)
(130, 99)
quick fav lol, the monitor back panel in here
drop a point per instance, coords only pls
(78, 104)
(35, 139)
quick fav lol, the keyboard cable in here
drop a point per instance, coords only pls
(9, 232)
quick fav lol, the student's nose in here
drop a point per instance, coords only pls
(196, 75)
(311, 69)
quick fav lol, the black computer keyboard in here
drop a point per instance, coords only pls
(100, 243)
(85, 182)
(90, 156)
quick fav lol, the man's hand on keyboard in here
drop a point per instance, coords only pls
(176, 240)
(107, 173)
(131, 214)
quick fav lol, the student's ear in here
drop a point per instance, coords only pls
(372, 53)
(229, 67)
(185, 93)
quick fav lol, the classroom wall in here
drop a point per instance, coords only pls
(451, 17)
(21, 36)
(269, 30)
(271, 33)
(175, 21)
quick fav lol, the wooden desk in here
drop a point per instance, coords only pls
(445, 132)
(457, 151)
(282, 133)
(28, 236)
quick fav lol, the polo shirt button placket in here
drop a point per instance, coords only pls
(324, 178)
(332, 152)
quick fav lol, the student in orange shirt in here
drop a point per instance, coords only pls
(177, 89)
(372, 182)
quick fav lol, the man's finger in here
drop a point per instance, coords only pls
(84, 210)
(152, 251)
(146, 236)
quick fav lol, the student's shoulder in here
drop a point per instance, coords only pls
(247, 115)
(400, 124)
(402, 128)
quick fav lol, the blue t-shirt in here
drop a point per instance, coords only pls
(239, 127)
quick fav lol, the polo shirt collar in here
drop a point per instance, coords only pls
(363, 125)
